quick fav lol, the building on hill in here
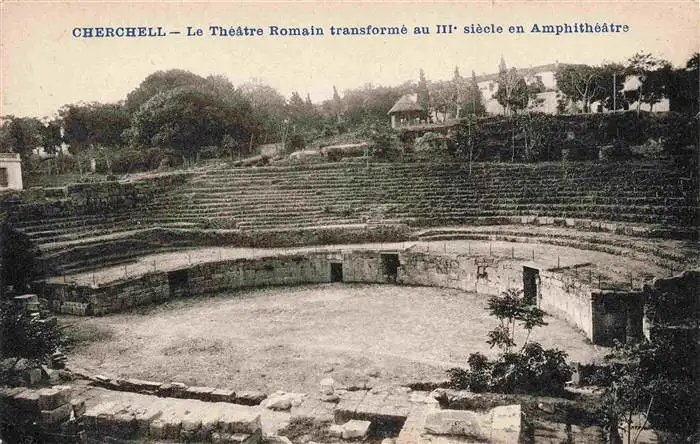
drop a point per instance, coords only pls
(10, 171)
(406, 111)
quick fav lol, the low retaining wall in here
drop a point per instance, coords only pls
(602, 315)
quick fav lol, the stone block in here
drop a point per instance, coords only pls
(506, 422)
(236, 438)
(7, 393)
(26, 299)
(122, 425)
(32, 376)
(78, 406)
(201, 393)
(335, 431)
(57, 415)
(327, 386)
(93, 416)
(283, 400)
(276, 439)
(144, 418)
(355, 429)
(171, 427)
(223, 395)
(156, 430)
(250, 397)
(172, 390)
(27, 401)
(242, 420)
(191, 424)
(54, 397)
(458, 422)
(140, 385)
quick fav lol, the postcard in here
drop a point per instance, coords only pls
(326, 221)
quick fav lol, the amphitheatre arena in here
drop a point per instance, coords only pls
(226, 286)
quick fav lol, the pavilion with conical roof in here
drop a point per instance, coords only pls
(406, 111)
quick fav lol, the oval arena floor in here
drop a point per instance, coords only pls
(289, 338)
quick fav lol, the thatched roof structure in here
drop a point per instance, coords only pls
(405, 104)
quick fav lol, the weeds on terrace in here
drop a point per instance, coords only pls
(528, 369)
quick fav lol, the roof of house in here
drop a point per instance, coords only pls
(405, 103)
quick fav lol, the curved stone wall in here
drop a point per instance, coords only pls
(601, 315)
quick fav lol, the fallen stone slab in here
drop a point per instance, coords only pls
(355, 429)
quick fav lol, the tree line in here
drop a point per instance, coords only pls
(187, 114)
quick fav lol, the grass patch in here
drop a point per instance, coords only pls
(77, 336)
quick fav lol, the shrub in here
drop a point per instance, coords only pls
(385, 145)
(296, 142)
(19, 258)
(25, 337)
(618, 151)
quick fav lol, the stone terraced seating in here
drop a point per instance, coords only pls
(421, 195)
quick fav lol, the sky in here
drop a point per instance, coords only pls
(43, 67)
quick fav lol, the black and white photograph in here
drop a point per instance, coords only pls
(328, 222)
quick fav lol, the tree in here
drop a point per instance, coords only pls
(337, 105)
(472, 102)
(656, 85)
(642, 65)
(579, 83)
(158, 82)
(51, 136)
(187, 119)
(502, 68)
(94, 124)
(684, 88)
(510, 307)
(21, 135)
(530, 369)
(268, 109)
(650, 381)
(609, 85)
(423, 93)
(512, 92)
(443, 97)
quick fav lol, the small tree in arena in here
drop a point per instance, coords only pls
(529, 369)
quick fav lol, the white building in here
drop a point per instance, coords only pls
(10, 171)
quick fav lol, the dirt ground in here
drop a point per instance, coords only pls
(289, 338)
